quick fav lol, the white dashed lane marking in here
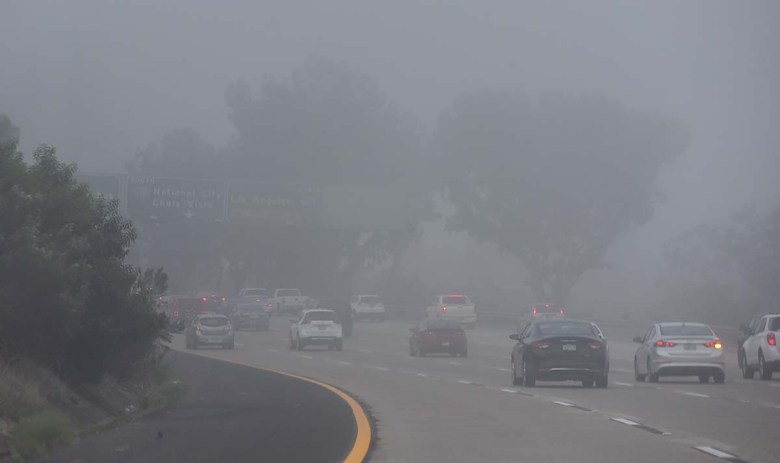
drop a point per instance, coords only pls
(692, 394)
(715, 452)
(453, 362)
(618, 383)
(344, 362)
(307, 356)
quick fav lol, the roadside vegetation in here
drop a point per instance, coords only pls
(72, 311)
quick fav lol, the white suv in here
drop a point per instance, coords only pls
(455, 307)
(760, 351)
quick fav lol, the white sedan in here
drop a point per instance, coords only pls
(316, 327)
(679, 349)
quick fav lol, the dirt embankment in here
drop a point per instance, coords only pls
(40, 412)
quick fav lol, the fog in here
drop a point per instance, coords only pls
(102, 80)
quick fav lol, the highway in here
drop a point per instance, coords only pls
(447, 409)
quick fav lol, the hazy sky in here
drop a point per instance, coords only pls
(101, 79)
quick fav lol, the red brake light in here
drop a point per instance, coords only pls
(229, 327)
(444, 308)
(561, 311)
(596, 345)
(770, 339)
(716, 344)
(665, 343)
(540, 345)
(204, 299)
(224, 298)
(536, 311)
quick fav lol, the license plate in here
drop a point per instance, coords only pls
(321, 327)
(690, 347)
(570, 347)
(445, 344)
(214, 341)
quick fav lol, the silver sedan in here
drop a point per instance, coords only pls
(679, 349)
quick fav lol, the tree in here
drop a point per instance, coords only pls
(179, 153)
(552, 181)
(67, 297)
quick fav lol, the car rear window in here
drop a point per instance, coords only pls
(443, 325)
(774, 324)
(288, 292)
(565, 328)
(255, 292)
(250, 307)
(686, 330)
(455, 300)
(323, 316)
(547, 308)
(213, 321)
(370, 300)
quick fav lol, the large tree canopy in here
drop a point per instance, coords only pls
(67, 297)
(552, 180)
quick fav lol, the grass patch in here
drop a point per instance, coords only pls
(19, 395)
(39, 434)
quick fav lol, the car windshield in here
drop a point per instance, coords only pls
(370, 300)
(288, 293)
(565, 328)
(213, 321)
(685, 330)
(320, 316)
(455, 300)
(255, 292)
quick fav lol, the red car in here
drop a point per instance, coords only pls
(438, 336)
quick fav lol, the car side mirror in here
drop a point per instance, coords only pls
(638, 340)
(744, 328)
(514, 337)
(292, 320)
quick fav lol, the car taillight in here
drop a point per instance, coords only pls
(770, 339)
(444, 308)
(540, 345)
(229, 327)
(596, 345)
(665, 344)
(536, 311)
(561, 312)
(715, 344)
(223, 298)
(204, 299)
(197, 328)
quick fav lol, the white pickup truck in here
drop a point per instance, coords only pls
(288, 300)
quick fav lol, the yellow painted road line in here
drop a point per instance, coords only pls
(363, 435)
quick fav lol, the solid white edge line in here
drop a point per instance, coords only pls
(344, 362)
(625, 421)
(307, 356)
(463, 381)
(511, 391)
(618, 383)
(422, 375)
(714, 452)
(506, 370)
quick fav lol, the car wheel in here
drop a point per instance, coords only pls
(638, 376)
(587, 383)
(719, 377)
(230, 346)
(763, 371)
(420, 352)
(339, 345)
(602, 381)
(529, 375)
(381, 318)
(471, 326)
(465, 353)
(704, 379)
(299, 344)
(292, 343)
(651, 377)
(515, 380)
(412, 353)
(453, 353)
(747, 372)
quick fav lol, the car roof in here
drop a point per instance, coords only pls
(561, 320)
(366, 295)
(317, 310)
(682, 323)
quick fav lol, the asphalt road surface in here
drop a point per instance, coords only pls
(230, 413)
(443, 409)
